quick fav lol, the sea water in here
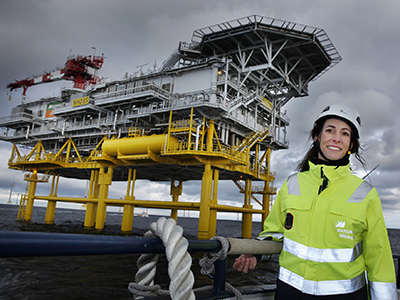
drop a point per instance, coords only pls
(108, 276)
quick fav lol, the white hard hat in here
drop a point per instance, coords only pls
(344, 111)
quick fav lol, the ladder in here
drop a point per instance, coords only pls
(22, 204)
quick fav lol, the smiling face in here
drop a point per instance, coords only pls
(334, 139)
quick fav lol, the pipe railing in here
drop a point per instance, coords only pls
(17, 244)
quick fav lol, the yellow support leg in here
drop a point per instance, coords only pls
(266, 203)
(51, 205)
(105, 179)
(247, 222)
(90, 214)
(205, 198)
(31, 197)
(175, 192)
(267, 193)
(212, 227)
(50, 212)
(127, 219)
(127, 215)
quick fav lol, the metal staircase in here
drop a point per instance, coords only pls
(171, 61)
(251, 140)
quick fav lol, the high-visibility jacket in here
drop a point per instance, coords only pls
(331, 235)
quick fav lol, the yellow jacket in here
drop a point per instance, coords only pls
(331, 237)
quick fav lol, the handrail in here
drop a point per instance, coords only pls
(17, 244)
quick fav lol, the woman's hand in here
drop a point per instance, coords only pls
(245, 262)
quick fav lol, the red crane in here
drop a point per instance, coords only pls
(82, 70)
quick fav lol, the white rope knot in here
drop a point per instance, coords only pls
(207, 263)
(208, 260)
(179, 262)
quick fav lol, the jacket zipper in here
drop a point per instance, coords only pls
(324, 182)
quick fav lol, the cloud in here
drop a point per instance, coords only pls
(38, 36)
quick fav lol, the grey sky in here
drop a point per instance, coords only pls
(37, 36)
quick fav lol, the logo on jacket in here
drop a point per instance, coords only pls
(342, 231)
(340, 224)
(289, 221)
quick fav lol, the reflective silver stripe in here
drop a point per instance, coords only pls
(383, 290)
(293, 185)
(322, 255)
(361, 192)
(321, 288)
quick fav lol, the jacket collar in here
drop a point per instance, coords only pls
(333, 173)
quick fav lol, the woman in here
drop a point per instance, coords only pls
(330, 221)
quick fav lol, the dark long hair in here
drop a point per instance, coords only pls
(313, 151)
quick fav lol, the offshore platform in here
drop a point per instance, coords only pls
(213, 111)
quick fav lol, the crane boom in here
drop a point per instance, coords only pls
(82, 70)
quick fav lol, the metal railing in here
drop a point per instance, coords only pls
(19, 117)
(136, 91)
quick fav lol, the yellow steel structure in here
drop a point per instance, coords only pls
(185, 143)
(212, 112)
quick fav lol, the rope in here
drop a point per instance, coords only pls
(207, 262)
(179, 262)
(146, 268)
(208, 266)
(249, 246)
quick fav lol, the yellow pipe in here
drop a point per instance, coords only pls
(256, 158)
(227, 208)
(210, 135)
(95, 183)
(37, 149)
(105, 178)
(128, 187)
(51, 205)
(68, 151)
(76, 151)
(67, 199)
(202, 134)
(266, 195)
(133, 184)
(247, 223)
(56, 187)
(212, 227)
(127, 215)
(156, 204)
(50, 212)
(90, 206)
(190, 129)
(126, 147)
(31, 195)
(166, 147)
(52, 186)
(122, 202)
(205, 198)
(32, 188)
